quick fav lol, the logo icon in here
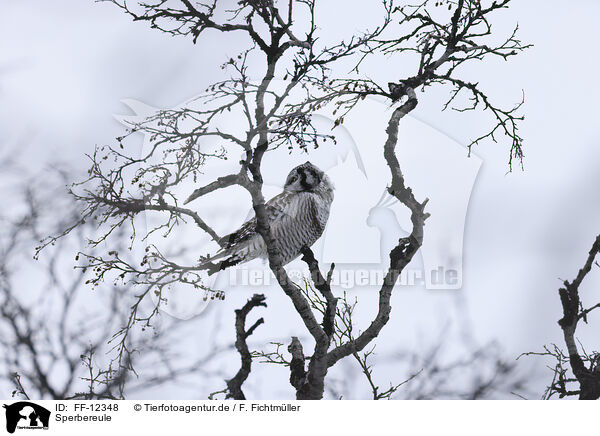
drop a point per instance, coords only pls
(26, 415)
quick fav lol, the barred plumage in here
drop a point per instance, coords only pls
(297, 218)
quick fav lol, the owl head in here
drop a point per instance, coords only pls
(305, 177)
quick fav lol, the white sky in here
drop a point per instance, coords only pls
(65, 66)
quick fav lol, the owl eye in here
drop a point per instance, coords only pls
(293, 179)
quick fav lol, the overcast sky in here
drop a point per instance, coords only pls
(65, 67)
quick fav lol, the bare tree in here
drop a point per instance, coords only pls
(448, 367)
(283, 38)
(57, 339)
(576, 373)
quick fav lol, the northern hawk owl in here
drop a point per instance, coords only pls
(297, 218)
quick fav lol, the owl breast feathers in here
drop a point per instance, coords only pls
(297, 218)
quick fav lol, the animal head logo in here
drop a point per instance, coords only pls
(26, 415)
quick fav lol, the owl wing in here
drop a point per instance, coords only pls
(277, 211)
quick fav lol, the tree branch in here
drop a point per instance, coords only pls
(588, 378)
(234, 385)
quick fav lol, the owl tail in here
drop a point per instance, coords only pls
(221, 260)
